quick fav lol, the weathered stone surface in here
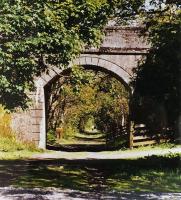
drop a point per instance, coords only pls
(22, 125)
(120, 40)
(119, 53)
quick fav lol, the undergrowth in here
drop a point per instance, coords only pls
(8, 140)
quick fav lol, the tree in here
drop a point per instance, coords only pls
(37, 34)
(158, 78)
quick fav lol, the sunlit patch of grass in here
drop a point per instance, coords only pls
(148, 181)
(89, 136)
(54, 176)
(67, 141)
(151, 174)
(10, 146)
(10, 149)
(145, 148)
(22, 154)
(155, 146)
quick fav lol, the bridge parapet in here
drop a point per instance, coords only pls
(122, 40)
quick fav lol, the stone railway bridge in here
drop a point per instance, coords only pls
(118, 54)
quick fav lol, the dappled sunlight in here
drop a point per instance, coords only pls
(75, 153)
(151, 174)
(147, 181)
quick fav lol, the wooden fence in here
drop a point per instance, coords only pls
(141, 137)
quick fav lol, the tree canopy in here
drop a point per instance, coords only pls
(157, 80)
(37, 34)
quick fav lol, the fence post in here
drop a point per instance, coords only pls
(130, 122)
(131, 134)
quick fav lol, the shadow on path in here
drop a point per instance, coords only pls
(94, 177)
(80, 147)
(45, 194)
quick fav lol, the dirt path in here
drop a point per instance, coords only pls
(105, 154)
(86, 175)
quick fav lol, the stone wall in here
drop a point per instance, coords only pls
(21, 123)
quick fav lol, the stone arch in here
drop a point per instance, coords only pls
(91, 61)
(53, 72)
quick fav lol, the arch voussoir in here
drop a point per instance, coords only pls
(88, 60)
(105, 64)
(94, 61)
(82, 61)
(46, 77)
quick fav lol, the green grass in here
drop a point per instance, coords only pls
(81, 137)
(151, 174)
(20, 154)
(151, 147)
(90, 136)
(11, 148)
(154, 174)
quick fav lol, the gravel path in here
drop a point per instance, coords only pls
(11, 193)
(105, 154)
(8, 169)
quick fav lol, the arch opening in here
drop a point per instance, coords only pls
(56, 127)
(54, 73)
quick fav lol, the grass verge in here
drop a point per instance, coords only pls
(150, 174)
(11, 148)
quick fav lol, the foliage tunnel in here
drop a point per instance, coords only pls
(81, 101)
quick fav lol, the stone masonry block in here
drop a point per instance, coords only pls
(88, 60)
(36, 128)
(104, 64)
(82, 61)
(52, 73)
(38, 106)
(37, 113)
(36, 142)
(36, 121)
(57, 70)
(35, 137)
(121, 73)
(46, 77)
(95, 61)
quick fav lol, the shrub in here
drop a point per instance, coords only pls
(5, 120)
(8, 140)
(51, 138)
